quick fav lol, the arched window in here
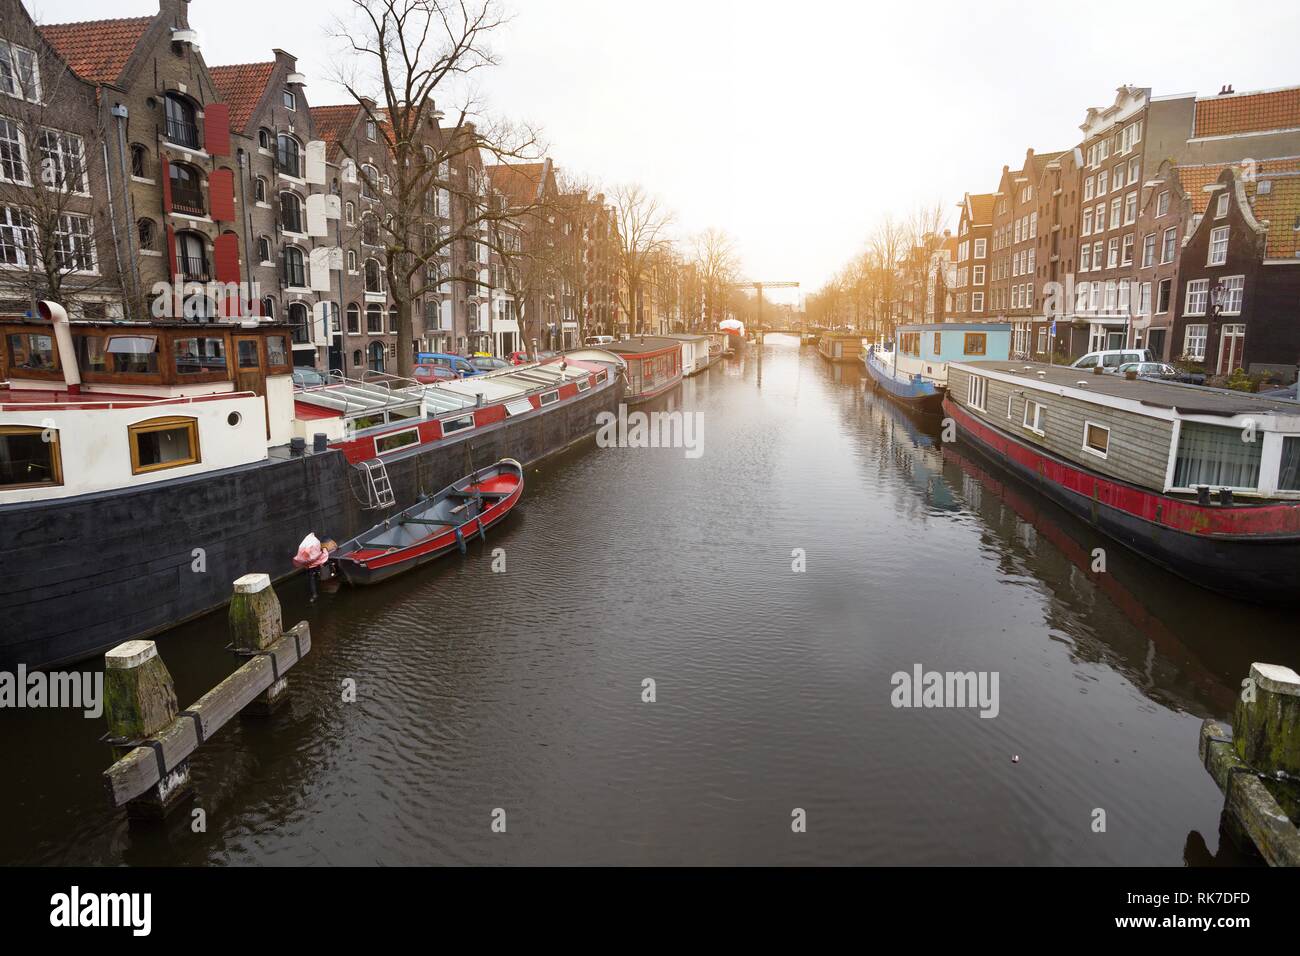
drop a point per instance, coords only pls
(264, 138)
(392, 318)
(374, 276)
(295, 275)
(291, 213)
(264, 249)
(352, 260)
(299, 322)
(376, 356)
(429, 156)
(354, 321)
(356, 358)
(191, 257)
(182, 127)
(350, 214)
(186, 188)
(288, 158)
(148, 234)
(369, 229)
(139, 160)
(259, 189)
(374, 318)
(268, 307)
(369, 180)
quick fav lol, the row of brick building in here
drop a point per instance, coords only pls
(226, 174)
(1171, 225)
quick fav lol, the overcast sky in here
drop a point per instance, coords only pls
(796, 125)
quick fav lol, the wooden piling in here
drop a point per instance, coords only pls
(256, 623)
(140, 701)
(1258, 766)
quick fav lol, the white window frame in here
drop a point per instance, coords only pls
(1218, 244)
(1087, 424)
(21, 142)
(10, 52)
(1200, 288)
(1189, 338)
(977, 392)
(1238, 292)
(1038, 409)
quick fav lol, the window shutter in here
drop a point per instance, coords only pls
(171, 252)
(225, 255)
(216, 129)
(221, 195)
(166, 189)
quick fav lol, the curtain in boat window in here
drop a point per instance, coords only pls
(1288, 478)
(1217, 456)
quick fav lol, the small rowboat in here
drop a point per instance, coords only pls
(434, 526)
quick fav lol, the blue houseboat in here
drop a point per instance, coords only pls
(914, 370)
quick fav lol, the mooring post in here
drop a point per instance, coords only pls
(1257, 764)
(255, 624)
(139, 701)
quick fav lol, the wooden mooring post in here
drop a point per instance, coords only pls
(152, 740)
(1256, 764)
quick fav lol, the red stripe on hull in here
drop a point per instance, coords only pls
(1176, 514)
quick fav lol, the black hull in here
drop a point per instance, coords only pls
(1252, 568)
(80, 575)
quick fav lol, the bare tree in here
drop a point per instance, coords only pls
(407, 54)
(718, 265)
(643, 235)
(56, 240)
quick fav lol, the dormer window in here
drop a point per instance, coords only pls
(370, 130)
(288, 100)
(20, 75)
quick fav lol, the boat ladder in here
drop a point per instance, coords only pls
(379, 490)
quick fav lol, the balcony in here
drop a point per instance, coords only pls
(193, 268)
(183, 132)
(187, 199)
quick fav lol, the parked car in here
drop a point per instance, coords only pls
(1111, 359)
(458, 364)
(429, 374)
(488, 363)
(596, 341)
(307, 377)
(1148, 369)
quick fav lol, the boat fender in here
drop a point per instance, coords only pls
(460, 540)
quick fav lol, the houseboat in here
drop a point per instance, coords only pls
(1204, 482)
(840, 347)
(146, 465)
(695, 352)
(653, 366)
(913, 371)
(734, 330)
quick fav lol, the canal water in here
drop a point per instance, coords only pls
(522, 691)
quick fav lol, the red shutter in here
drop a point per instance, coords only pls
(221, 195)
(167, 187)
(216, 129)
(225, 260)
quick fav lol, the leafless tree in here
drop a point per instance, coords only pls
(643, 235)
(407, 58)
(718, 266)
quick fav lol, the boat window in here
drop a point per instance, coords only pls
(248, 357)
(275, 351)
(452, 425)
(1096, 438)
(976, 343)
(198, 354)
(549, 398)
(396, 440)
(33, 352)
(161, 443)
(583, 384)
(938, 338)
(401, 414)
(601, 376)
(1035, 416)
(29, 456)
(1215, 455)
(1288, 475)
(977, 390)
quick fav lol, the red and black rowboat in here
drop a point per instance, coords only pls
(434, 526)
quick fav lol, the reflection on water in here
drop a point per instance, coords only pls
(523, 690)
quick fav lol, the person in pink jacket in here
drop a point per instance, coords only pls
(313, 554)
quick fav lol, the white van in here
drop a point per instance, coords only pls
(1111, 359)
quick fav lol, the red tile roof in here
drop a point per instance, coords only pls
(1247, 112)
(517, 183)
(241, 85)
(97, 50)
(1280, 207)
(981, 208)
(1194, 179)
(333, 122)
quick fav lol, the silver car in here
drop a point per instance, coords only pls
(1148, 369)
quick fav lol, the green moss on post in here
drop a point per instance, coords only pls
(1267, 723)
(255, 619)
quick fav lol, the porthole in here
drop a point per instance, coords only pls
(234, 419)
